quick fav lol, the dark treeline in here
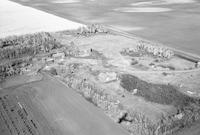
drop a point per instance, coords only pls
(13, 67)
(30, 44)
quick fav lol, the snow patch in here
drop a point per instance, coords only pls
(162, 2)
(128, 28)
(190, 92)
(65, 1)
(24, 0)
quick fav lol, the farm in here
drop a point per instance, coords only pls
(95, 81)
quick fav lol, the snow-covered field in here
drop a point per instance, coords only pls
(142, 9)
(16, 19)
(148, 6)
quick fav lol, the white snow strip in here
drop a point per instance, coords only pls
(179, 1)
(20, 105)
(162, 2)
(190, 92)
(143, 9)
(128, 28)
(16, 19)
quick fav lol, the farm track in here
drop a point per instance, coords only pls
(16, 118)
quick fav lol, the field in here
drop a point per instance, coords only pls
(49, 107)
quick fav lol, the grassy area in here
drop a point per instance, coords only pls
(188, 108)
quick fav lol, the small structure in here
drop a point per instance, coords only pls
(107, 77)
(58, 55)
(49, 60)
(84, 53)
(134, 91)
(179, 116)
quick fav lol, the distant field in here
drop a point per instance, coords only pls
(172, 22)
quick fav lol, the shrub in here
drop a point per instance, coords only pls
(134, 62)
(131, 52)
(13, 67)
